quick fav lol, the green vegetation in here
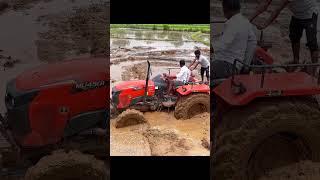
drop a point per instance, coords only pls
(197, 36)
(203, 28)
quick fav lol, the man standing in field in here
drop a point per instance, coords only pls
(203, 61)
(238, 41)
(305, 16)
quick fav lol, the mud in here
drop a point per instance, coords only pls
(71, 165)
(79, 32)
(305, 170)
(163, 135)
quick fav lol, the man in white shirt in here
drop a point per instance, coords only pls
(305, 17)
(203, 61)
(181, 78)
(238, 41)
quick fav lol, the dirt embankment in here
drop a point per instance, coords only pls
(162, 135)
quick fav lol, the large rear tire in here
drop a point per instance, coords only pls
(129, 117)
(191, 105)
(304, 170)
(264, 135)
(65, 166)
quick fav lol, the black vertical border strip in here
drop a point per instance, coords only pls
(195, 168)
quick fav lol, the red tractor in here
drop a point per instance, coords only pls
(151, 95)
(60, 106)
(264, 120)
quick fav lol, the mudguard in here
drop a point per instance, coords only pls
(193, 88)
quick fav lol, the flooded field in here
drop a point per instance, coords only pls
(163, 135)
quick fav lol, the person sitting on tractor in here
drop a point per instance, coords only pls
(205, 64)
(238, 41)
(305, 16)
(181, 78)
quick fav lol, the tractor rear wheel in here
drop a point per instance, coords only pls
(129, 117)
(66, 166)
(305, 170)
(264, 135)
(191, 105)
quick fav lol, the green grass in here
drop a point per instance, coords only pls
(203, 28)
(197, 37)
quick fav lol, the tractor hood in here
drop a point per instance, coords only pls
(78, 70)
(134, 84)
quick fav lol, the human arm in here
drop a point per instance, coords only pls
(274, 15)
(195, 66)
(192, 63)
(260, 9)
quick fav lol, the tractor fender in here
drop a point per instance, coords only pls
(193, 88)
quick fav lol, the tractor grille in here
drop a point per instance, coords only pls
(18, 120)
(17, 104)
(115, 97)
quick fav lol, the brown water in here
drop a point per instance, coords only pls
(162, 136)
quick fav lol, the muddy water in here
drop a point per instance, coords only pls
(163, 135)
(20, 28)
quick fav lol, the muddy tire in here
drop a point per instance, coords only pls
(73, 165)
(129, 117)
(191, 105)
(264, 135)
(305, 170)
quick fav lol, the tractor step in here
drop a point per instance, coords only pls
(168, 103)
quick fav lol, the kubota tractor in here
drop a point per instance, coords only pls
(57, 107)
(263, 121)
(131, 97)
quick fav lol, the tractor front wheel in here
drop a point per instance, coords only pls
(129, 117)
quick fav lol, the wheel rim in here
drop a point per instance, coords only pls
(277, 151)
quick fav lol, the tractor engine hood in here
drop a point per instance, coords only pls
(79, 71)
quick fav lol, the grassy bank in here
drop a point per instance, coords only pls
(204, 28)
